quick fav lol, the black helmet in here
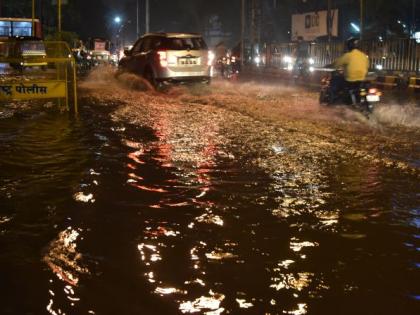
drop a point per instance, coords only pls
(352, 43)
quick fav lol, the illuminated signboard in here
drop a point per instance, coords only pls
(34, 90)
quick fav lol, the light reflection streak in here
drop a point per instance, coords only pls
(297, 246)
(291, 281)
(149, 253)
(135, 157)
(80, 196)
(52, 311)
(167, 291)
(199, 281)
(136, 177)
(63, 258)
(151, 189)
(210, 218)
(244, 304)
(131, 166)
(66, 263)
(209, 304)
(176, 146)
(132, 144)
(4, 219)
(301, 310)
(219, 255)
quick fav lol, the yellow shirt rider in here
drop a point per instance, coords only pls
(354, 63)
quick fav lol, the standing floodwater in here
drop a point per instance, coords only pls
(230, 199)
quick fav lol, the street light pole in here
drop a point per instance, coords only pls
(329, 20)
(147, 16)
(59, 18)
(361, 19)
(33, 18)
(137, 20)
(242, 32)
(413, 18)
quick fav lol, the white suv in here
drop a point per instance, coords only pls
(169, 58)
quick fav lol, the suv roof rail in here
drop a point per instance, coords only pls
(173, 34)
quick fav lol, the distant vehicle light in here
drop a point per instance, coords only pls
(257, 60)
(311, 61)
(311, 69)
(289, 67)
(379, 67)
(417, 37)
(287, 59)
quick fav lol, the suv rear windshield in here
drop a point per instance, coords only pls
(195, 43)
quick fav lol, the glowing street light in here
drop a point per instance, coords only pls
(117, 20)
(355, 27)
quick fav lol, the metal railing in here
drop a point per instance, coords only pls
(398, 55)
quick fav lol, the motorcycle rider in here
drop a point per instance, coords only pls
(355, 65)
(302, 58)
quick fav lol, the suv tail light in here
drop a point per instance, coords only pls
(163, 58)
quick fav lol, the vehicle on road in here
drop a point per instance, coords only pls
(228, 67)
(362, 95)
(24, 51)
(163, 58)
(301, 68)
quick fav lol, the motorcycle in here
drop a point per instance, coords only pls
(228, 67)
(303, 68)
(362, 95)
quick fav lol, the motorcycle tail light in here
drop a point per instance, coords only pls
(163, 58)
(373, 91)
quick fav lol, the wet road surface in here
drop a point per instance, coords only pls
(237, 198)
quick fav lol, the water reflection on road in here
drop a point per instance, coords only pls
(182, 203)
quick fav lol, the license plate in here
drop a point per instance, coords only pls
(187, 61)
(372, 98)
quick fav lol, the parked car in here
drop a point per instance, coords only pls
(169, 58)
(26, 52)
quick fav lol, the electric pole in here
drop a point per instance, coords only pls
(33, 18)
(137, 20)
(329, 20)
(362, 9)
(413, 18)
(242, 32)
(59, 17)
(147, 16)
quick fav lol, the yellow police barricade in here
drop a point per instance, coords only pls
(32, 69)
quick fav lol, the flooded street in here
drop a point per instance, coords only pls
(233, 198)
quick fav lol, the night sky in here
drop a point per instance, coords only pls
(168, 15)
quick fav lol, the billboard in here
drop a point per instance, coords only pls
(313, 24)
(99, 45)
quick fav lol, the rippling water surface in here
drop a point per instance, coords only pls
(207, 202)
